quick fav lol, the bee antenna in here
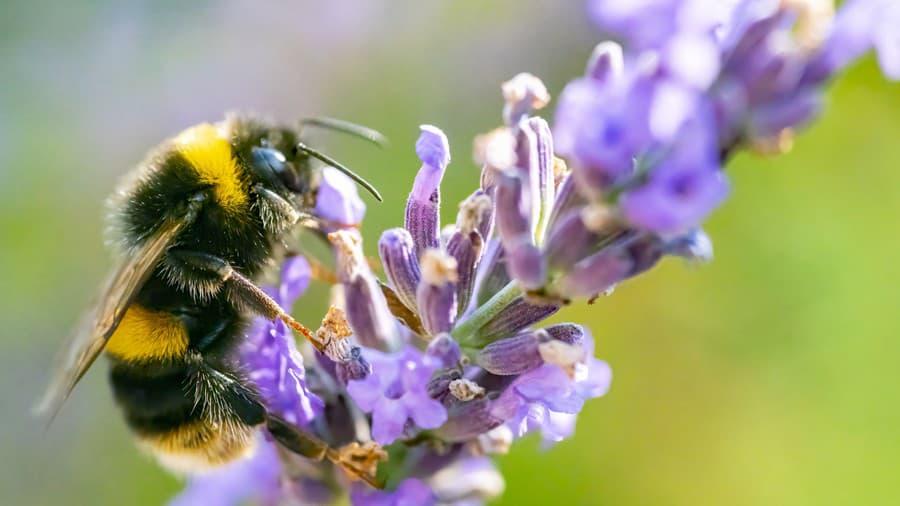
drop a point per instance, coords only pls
(339, 125)
(339, 166)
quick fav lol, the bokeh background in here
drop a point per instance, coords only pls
(769, 377)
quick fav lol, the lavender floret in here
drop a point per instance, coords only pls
(396, 394)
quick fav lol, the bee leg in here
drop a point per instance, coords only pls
(246, 292)
(196, 271)
(310, 446)
(217, 387)
(204, 267)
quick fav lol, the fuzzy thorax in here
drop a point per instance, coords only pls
(210, 154)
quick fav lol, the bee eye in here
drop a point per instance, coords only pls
(269, 162)
(272, 164)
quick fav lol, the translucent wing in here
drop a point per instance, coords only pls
(120, 289)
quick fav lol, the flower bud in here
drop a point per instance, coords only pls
(543, 185)
(437, 292)
(513, 355)
(467, 420)
(595, 274)
(423, 205)
(525, 264)
(606, 62)
(569, 241)
(568, 333)
(354, 367)
(492, 275)
(513, 213)
(528, 349)
(444, 351)
(367, 310)
(516, 316)
(439, 385)
(398, 255)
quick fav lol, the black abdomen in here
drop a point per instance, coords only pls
(182, 394)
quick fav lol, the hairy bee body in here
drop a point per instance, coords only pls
(176, 383)
(197, 224)
(173, 372)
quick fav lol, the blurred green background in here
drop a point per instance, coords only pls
(767, 378)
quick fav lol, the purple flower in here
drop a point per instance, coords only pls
(396, 393)
(536, 399)
(257, 478)
(367, 310)
(601, 127)
(270, 355)
(521, 353)
(411, 492)
(683, 188)
(338, 200)
(424, 203)
(859, 26)
(401, 266)
(437, 297)
(645, 133)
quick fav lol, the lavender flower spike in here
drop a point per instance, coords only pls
(367, 309)
(423, 205)
(452, 359)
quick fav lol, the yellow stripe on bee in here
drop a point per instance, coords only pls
(202, 445)
(210, 154)
(148, 335)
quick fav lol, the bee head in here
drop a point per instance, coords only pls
(277, 161)
(284, 159)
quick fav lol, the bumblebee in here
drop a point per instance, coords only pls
(198, 222)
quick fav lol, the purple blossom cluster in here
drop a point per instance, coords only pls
(650, 126)
(446, 361)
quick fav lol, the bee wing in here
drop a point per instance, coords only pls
(95, 330)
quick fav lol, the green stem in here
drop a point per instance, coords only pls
(483, 314)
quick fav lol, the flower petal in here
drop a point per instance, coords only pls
(338, 200)
(426, 412)
(388, 420)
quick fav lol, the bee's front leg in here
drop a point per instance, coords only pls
(204, 274)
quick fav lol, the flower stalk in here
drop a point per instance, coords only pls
(467, 330)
